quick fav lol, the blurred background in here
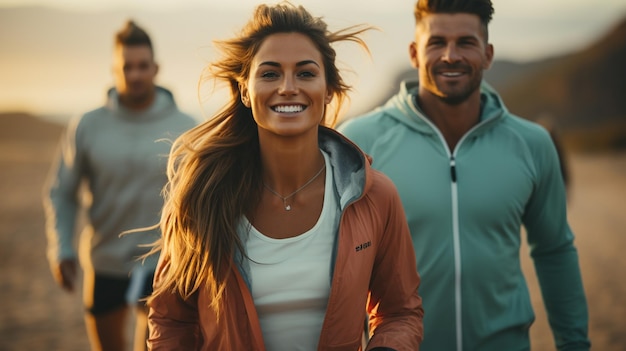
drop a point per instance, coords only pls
(561, 62)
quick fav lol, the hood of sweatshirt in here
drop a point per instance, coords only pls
(403, 108)
(162, 106)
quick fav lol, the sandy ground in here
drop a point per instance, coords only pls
(37, 315)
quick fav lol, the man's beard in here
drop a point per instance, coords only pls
(454, 100)
(458, 97)
(138, 97)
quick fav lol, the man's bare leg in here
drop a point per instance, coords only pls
(141, 329)
(107, 332)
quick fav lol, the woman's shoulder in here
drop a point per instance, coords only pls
(380, 186)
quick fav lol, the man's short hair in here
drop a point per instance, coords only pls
(133, 35)
(481, 8)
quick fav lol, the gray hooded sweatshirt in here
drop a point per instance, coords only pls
(120, 156)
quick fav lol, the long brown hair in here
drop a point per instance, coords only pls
(214, 169)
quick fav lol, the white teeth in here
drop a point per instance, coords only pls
(289, 109)
(451, 74)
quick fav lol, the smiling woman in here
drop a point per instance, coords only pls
(288, 87)
(264, 200)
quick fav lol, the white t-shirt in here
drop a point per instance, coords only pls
(291, 279)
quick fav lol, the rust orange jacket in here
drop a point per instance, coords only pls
(374, 275)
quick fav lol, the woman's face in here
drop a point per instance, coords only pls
(287, 89)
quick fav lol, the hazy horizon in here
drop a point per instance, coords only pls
(56, 62)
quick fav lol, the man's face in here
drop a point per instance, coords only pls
(134, 71)
(450, 52)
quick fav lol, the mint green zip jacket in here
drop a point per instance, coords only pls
(465, 209)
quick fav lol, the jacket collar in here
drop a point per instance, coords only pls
(162, 106)
(350, 166)
(403, 108)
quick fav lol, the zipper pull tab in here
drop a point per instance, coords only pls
(453, 169)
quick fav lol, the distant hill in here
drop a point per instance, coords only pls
(23, 127)
(582, 93)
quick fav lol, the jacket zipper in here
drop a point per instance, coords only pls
(456, 238)
(456, 232)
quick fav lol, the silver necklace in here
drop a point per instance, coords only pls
(284, 198)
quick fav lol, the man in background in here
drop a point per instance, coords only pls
(119, 151)
(470, 174)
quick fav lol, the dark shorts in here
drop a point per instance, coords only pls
(109, 293)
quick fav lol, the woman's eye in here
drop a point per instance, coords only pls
(269, 74)
(306, 74)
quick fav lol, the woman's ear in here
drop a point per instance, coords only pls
(328, 98)
(245, 98)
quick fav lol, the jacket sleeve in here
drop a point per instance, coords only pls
(394, 305)
(551, 243)
(173, 322)
(61, 200)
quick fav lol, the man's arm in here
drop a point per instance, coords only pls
(61, 206)
(555, 257)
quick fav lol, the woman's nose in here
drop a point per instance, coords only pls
(288, 86)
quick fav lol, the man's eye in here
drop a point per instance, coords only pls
(467, 43)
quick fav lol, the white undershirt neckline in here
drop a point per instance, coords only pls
(290, 278)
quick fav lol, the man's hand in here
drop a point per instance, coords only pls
(64, 274)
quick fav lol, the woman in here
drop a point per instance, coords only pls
(277, 234)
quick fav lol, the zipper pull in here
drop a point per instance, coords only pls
(453, 169)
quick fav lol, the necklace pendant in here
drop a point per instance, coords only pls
(284, 198)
